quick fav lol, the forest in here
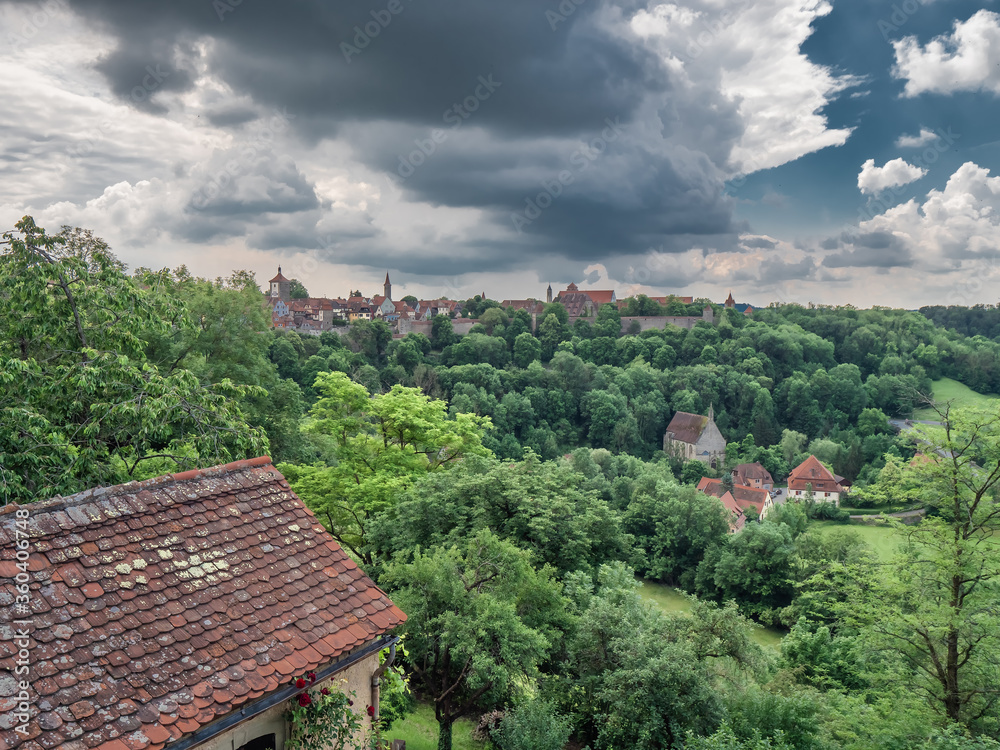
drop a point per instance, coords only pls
(509, 490)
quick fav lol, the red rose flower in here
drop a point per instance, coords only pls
(325, 691)
(311, 676)
(300, 683)
(371, 711)
(304, 699)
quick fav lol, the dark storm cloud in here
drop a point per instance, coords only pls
(775, 269)
(871, 250)
(231, 116)
(515, 94)
(760, 243)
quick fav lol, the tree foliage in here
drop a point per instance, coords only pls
(381, 444)
(80, 402)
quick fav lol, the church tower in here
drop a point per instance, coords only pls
(387, 287)
(548, 294)
(281, 287)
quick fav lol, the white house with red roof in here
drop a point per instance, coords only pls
(812, 476)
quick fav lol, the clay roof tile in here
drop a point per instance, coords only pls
(159, 589)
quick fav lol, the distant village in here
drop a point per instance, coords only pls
(749, 492)
(313, 315)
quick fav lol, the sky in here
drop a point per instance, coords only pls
(841, 152)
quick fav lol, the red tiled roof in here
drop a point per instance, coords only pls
(575, 303)
(279, 277)
(745, 472)
(160, 606)
(811, 471)
(600, 296)
(687, 428)
(742, 496)
(737, 518)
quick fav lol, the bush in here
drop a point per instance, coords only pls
(532, 726)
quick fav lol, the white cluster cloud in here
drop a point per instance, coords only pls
(968, 59)
(873, 180)
(924, 137)
(751, 52)
(958, 223)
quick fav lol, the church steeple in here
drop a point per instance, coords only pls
(281, 287)
(548, 294)
(387, 287)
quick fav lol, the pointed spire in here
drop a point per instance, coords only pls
(711, 413)
(387, 277)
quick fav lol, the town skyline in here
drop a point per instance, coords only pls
(826, 153)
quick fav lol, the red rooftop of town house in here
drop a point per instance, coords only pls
(160, 607)
(812, 472)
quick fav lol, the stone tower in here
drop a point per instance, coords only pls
(281, 287)
(387, 287)
(548, 294)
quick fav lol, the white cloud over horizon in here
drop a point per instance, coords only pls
(968, 59)
(894, 173)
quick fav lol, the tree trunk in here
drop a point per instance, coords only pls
(952, 699)
(444, 734)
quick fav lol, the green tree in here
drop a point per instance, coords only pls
(296, 290)
(544, 507)
(674, 526)
(550, 333)
(608, 322)
(80, 403)
(938, 609)
(643, 678)
(491, 318)
(442, 332)
(371, 339)
(527, 349)
(755, 569)
(792, 444)
(479, 624)
(381, 445)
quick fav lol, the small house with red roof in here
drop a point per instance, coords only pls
(178, 612)
(812, 476)
(734, 512)
(744, 497)
(693, 437)
(753, 475)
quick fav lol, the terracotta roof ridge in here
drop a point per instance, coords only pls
(96, 493)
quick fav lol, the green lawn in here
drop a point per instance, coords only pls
(671, 600)
(947, 389)
(882, 538)
(420, 730)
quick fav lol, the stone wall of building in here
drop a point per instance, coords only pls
(660, 322)
(460, 326)
(655, 322)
